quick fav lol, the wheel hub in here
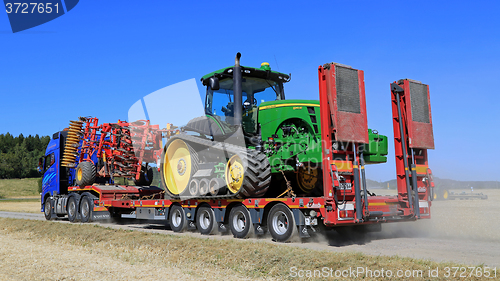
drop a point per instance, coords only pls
(181, 166)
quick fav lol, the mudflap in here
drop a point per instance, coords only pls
(101, 215)
(99, 212)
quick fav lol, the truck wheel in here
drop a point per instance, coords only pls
(86, 209)
(72, 209)
(281, 223)
(47, 210)
(240, 222)
(177, 219)
(205, 220)
(85, 174)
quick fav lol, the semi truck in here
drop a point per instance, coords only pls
(256, 162)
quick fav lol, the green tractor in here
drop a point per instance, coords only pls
(252, 142)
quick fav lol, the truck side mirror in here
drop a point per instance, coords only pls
(213, 82)
(40, 164)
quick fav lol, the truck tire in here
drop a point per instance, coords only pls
(177, 219)
(47, 210)
(205, 221)
(85, 174)
(240, 222)
(72, 209)
(281, 223)
(86, 208)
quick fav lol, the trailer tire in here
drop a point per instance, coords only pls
(177, 219)
(86, 209)
(281, 223)
(47, 210)
(72, 209)
(240, 222)
(85, 174)
(205, 221)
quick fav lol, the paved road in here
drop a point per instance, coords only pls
(400, 239)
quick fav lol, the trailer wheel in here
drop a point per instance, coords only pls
(240, 222)
(86, 209)
(72, 209)
(205, 220)
(85, 174)
(177, 219)
(47, 211)
(281, 223)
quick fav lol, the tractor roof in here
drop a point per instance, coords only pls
(263, 72)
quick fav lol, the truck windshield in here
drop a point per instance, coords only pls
(255, 91)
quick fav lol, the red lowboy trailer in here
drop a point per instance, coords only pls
(345, 200)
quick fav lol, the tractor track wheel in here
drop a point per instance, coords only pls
(85, 174)
(240, 222)
(281, 223)
(72, 209)
(252, 177)
(47, 210)
(205, 221)
(177, 219)
(194, 188)
(179, 163)
(204, 187)
(145, 177)
(86, 207)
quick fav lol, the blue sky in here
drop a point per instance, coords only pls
(103, 56)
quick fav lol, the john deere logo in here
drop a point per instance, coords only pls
(27, 14)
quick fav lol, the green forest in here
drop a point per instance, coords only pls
(19, 155)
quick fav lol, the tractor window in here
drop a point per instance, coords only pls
(255, 92)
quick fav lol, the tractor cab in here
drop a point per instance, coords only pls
(258, 85)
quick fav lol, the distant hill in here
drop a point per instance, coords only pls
(445, 183)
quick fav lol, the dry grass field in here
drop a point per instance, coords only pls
(19, 188)
(23, 206)
(37, 250)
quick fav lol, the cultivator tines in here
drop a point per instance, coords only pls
(72, 142)
(124, 161)
(116, 149)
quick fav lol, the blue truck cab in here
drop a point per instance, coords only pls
(56, 178)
